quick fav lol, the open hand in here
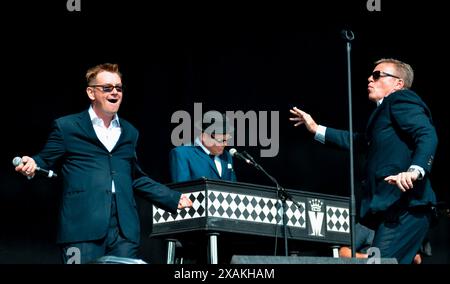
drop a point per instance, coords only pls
(302, 117)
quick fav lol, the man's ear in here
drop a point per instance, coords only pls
(90, 93)
(400, 84)
(203, 138)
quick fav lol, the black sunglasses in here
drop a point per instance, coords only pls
(378, 74)
(108, 88)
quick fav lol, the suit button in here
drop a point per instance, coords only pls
(430, 161)
(113, 172)
(110, 155)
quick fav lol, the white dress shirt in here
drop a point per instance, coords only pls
(108, 136)
(216, 158)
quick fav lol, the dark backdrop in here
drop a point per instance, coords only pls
(226, 55)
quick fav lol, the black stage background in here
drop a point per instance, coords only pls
(226, 55)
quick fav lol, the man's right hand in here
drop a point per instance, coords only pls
(28, 166)
(302, 117)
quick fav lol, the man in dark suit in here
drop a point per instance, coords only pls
(207, 158)
(400, 142)
(97, 151)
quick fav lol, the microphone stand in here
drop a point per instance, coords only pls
(348, 36)
(282, 194)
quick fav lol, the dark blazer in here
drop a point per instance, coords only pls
(191, 162)
(399, 133)
(88, 169)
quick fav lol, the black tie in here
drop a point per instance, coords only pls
(213, 160)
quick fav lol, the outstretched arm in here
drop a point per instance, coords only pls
(326, 135)
(157, 193)
(52, 151)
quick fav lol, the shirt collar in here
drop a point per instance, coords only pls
(380, 101)
(98, 121)
(197, 142)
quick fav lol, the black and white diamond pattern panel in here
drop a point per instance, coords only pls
(338, 219)
(254, 209)
(196, 211)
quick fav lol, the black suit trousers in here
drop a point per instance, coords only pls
(113, 244)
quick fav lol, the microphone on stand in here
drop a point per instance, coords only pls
(234, 153)
(250, 158)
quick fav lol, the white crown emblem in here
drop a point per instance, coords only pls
(316, 205)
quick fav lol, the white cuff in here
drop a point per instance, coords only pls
(320, 134)
(420, 169)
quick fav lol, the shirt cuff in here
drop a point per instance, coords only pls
(320, 134)
(420, 169)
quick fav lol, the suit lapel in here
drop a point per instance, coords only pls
(202, 155)
(224, 163)
(373, 116)
(123, 133)
(86, 126)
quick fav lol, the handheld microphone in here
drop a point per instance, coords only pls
(49, 173)
(235, 153)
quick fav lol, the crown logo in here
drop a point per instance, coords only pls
(316, 205)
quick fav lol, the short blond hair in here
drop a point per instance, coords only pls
(405, 71)
(92, 73)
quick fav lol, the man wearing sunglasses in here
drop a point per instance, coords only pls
(97, 153)
(207, 158)
(400, 143)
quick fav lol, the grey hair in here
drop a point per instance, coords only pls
(405, 71)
